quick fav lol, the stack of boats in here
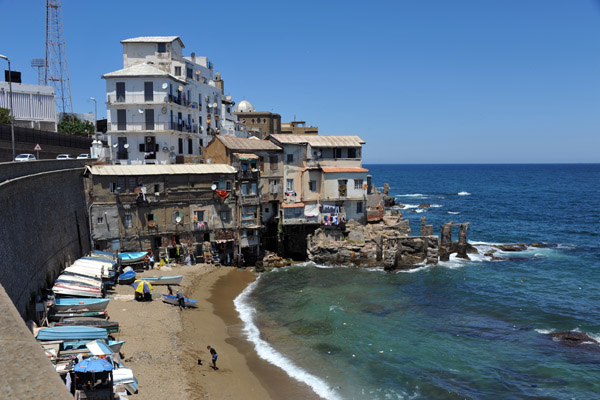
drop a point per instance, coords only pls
(86, 277)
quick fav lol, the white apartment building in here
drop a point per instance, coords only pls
(162, 105)
(323, 178)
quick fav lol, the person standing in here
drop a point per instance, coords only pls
(181, 300)
(214, 356)
(151, 261)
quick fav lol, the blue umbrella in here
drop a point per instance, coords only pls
(93, 364)
(142, 286)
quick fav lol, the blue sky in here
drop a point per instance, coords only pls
(429, 81)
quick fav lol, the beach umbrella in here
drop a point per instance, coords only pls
(142, 286)
(93, 364)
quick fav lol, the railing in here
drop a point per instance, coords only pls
(180, 127)
(249, 199)
(200, 226)
(248, 174)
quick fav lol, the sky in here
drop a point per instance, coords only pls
(428, 81)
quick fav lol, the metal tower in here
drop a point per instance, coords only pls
(40, 64)
(56, 70)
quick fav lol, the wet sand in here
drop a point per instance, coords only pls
(163, 344)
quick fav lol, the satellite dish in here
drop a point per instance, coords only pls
(180, 88)
(165, 149)
(115, 145)
(214, 105)
(172, 148)
(214, 187)
(318, 154)
(211, 83)
(141, 110)
(228, 97)
(126, 145)
(178, 219)
(164, 110)
(172, 155)
(165, 85)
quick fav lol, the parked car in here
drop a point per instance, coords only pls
(83, 157)
(25, 157)
(64, 157)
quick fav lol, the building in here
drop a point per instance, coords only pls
(168, 209)
(163, 107)
(323, 177)
(298, 128)
(34, 105)
(258, 123)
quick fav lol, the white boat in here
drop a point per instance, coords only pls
(79, 280)
(107, 264)
(74, 290)
(80, 304)
(163, 280)
(124, 376)
(90, 270)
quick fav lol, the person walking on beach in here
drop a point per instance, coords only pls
(214, 355)
(181, 300)
(169, 290)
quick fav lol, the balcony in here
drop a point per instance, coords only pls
(248, 174)
(266, 197)
(199, 226)
(249, 199)
(181, 127)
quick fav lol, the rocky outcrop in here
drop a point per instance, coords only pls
(572, 338)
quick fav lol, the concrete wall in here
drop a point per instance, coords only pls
(44, 227)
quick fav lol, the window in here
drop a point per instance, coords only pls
(177, 71)
(112, 187)
(358, 184)
(189, 72)
(342, 187)
(273, 160)
(244, 188)
(290, 158)
(128, 221)
(176, 217)
(352, 153)
(190, 147)
(100, 220)
(148, 91)
(289, 185)
(161, 47)
(312, 186)
(273, 185)
(198, 215)
(151, 217)
(120, 92)
(121, 120)
(337, 153)
(253, 188)
(180, 143)
(225, 215)
(221, 183)
(359, 207)
(149, 116)
(156, 188)
(120, 185)
(228, 186)
(132, 184)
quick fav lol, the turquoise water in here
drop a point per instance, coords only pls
(463, 329)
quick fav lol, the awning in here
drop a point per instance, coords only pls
(328, 170)
(292, 205)
(246, 156)
(311, 210)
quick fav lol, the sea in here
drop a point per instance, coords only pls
(477, 329)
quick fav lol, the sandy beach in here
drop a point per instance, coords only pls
(163, 344)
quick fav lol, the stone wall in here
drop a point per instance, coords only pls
(44, 228)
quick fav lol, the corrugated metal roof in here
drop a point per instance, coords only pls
(153, 39)
(246, 156)
(320, 140)
(170, 169)
(235, 143)
(329, 170)
(140, 70)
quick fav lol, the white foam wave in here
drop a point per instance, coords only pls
(418, 195)
(436, 206)
(409, 206)
(411, 271)
(453, 212)
(268, 353)
(464, 193)
(544, 331)
(420, 210)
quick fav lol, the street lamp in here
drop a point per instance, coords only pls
(12, 113)
(95, 115)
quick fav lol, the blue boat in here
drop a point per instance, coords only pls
(72, 333)
(173, 300)
(63, 304)
(133, 257)
(103, 254)
(127, 278)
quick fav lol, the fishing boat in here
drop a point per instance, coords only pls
(173, 300)
(110, 326)
(75, 290)
(164, 280)
(72, 333)
(79, 280)
(80, 304)
(124, 376)
(127, 278)
(92, 270)
(102, 254)
(95, 261)
(78, 345)
(60, 316)
(132, 257)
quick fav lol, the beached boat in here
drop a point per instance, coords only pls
(124, 376)
(132, 257)
(92, 270)
(60, 316)
(164, 280)
(173, 300)
(102, 254)
(110, 326)
(78, 345)
(80, 304)
(127, 278)
(74, 290)
(79, 280)
(72, 333)
(95, 261)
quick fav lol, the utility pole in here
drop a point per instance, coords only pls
(12, 112)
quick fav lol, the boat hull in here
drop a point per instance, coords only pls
(80, 304)
(66, 289)
(164, 280)
(72, 333)
(173, 300)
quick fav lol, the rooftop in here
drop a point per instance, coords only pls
(153, 39)
(140, 70)
(235, 143)
(320, 140)
(170, 169)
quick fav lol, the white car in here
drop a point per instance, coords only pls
(64, 157)
(25, 157)
(83, 157)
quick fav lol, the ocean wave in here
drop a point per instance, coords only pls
(408, 206)
(464, 193)
(544, 331)
(416, 195)
(436, 205)
(419, 210)
(453, 212)
(268, 353)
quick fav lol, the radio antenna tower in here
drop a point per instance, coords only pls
(56, 70)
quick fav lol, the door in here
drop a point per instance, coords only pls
(149, 119)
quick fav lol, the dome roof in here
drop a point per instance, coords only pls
(244, 106)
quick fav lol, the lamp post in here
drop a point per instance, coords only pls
(95, 115)
(12, 113)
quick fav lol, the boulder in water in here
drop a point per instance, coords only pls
(424, 205)
(572, 338)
